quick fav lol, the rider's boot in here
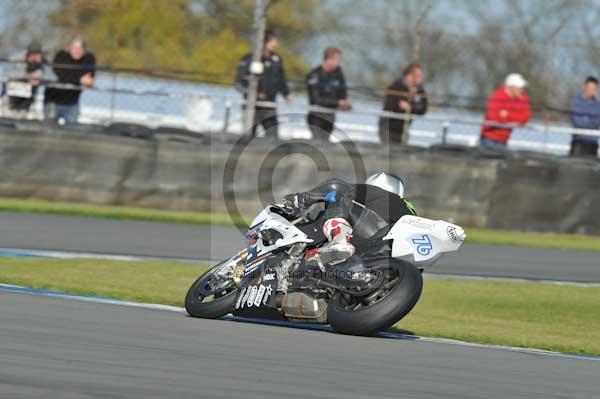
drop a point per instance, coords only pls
(338, 232)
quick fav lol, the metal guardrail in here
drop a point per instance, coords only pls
(229, 102)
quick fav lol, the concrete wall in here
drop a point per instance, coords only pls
(473, 188)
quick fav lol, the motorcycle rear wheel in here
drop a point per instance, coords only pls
(366, 315)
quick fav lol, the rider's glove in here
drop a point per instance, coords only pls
(297, 202)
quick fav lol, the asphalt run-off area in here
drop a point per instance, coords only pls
(72, 347)
(59, 347)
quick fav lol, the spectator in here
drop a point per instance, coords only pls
(508, 104)
(22, 92)
(406, 96)
(585, 114)
(326, 88)
(271, 82)
(75, 66)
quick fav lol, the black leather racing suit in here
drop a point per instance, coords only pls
(368, 209)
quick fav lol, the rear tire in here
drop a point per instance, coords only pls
(385, 312)
(221, 303)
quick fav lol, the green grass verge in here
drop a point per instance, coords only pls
(140, 281)
(554, 317)
(114, 212)
(474, 235)
(533, 240)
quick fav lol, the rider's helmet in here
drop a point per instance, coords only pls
(388, 182)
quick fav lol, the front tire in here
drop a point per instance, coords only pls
(206, 299)
(375, 312)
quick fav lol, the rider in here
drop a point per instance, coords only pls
(381, 200)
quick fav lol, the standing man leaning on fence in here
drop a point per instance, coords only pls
(271, 82)
(77, 67)
(404, 96)
(508, 104)
(326, 88)
(585, 114)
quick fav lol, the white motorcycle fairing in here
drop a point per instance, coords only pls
(270, 220)
(417, 240)
(422, 241)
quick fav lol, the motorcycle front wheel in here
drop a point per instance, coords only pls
(212, 295)
(395, 298)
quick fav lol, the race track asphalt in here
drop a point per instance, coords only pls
(58, 348)
(48, 232)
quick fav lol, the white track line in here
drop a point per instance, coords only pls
(37, 253)
(445, 276)
(385, 334)
(108, 301)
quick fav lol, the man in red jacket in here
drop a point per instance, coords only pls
(507, 105)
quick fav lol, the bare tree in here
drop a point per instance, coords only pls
(467, 48)
(522, 37)
(393, 34)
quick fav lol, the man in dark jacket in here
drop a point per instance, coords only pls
(585, 114)
(34, 70)
(404, 96)
(75, 66)
(326, 88)
(271, 82)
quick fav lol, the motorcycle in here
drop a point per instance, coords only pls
(367, 293)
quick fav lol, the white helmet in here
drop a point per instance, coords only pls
(387, 182)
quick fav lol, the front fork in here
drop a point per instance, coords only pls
(240, 268)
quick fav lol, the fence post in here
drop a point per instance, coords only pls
(445, 127)
(257, 49)
(546, 132)
(227, 117)
(113, 99)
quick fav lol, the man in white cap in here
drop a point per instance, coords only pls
(507, 105)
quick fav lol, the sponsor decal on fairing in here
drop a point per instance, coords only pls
(254, 295)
